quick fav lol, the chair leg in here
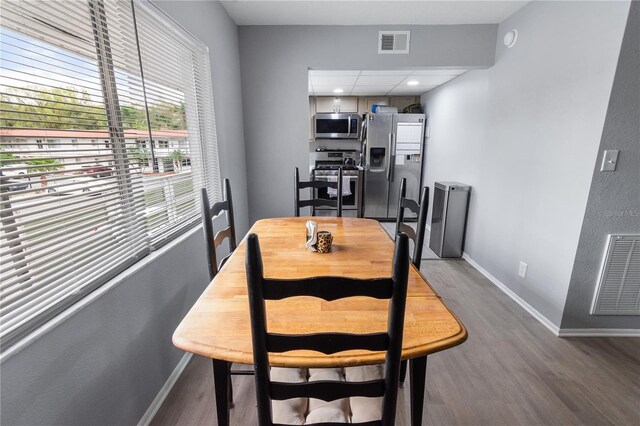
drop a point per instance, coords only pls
(231, 404)
(417, 388)
(221, 383)
(403, 372)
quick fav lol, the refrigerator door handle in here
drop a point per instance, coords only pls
(389, 157)
(391, 162)
(364, 155)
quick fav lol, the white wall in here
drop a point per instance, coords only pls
(525, 134)
(105, 363)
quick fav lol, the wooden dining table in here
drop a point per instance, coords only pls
(218, 325)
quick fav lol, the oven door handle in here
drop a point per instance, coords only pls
(326, 177)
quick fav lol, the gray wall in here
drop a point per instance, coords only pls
(275, 61)
(614, 199)
(525, 134)
(106, 363)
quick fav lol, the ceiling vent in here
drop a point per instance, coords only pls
(393, 42)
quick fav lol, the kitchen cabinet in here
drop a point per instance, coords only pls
(401, 102)
(312, 112)
(348, 104)
(366, 103)
(331, 104)
(325, 104)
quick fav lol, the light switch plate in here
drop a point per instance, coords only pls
(522, 269)
(609, 160)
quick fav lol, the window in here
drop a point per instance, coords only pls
(102, 85)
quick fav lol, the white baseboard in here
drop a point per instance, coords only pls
(520, 301)
(164, 391)
(599, 332)
(560, 332)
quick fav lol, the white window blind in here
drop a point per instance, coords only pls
(178, 89)
(107, 134)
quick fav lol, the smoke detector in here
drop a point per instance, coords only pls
(510, 38)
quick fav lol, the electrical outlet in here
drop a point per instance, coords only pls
(522, 270)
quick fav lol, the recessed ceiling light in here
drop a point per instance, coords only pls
(338, 90)
(413, 83)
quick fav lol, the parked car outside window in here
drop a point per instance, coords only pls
(97, 170)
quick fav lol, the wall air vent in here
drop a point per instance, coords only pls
(393, 42)
(618, 291)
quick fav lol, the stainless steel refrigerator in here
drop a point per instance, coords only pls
(392, 146)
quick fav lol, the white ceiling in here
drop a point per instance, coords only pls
(377, 83)
(370, 12)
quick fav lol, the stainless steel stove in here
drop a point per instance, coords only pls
(327, 164)
(332, 170)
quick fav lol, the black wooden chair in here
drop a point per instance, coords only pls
(212, 240)
(215, 240)
(317, 202)
(385, 387)
(416, 236)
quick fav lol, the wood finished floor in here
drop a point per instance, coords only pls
(511, 371)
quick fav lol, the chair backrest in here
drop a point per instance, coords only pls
(327, 288)
(419, 209)
(214, 240)
(317, 202)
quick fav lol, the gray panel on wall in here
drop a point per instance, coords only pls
(614, 199)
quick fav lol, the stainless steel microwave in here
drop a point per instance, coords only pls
(337, 126)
